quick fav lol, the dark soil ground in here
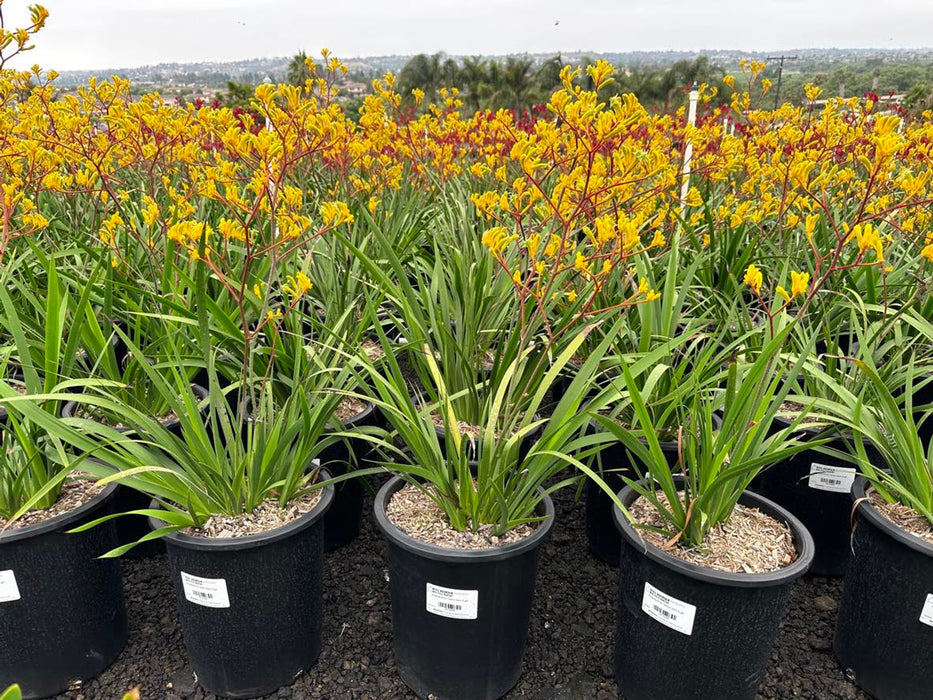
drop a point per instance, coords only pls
(569, 653)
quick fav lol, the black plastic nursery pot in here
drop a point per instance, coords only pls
(686, 631)
(250, 607)
(342, 521)
(459, 617)
(884, 631)
(815, 488)
(131, 527)
(62, 617)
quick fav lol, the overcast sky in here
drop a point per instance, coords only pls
(124, 33)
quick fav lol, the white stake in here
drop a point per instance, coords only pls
(268, 81)
(688, 145)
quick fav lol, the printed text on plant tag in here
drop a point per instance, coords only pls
(452, 602)
(669, 611)
(826, 478)
(8, 589)
(926, 615)
(209, 592)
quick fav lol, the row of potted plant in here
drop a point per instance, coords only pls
(214, 331)
(230, 450)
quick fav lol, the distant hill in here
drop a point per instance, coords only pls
(254, 70)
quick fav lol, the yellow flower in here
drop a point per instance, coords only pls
(496, 240)
(109, 227)
(927, 252)
(754, 278)
(812, 91)
(810, 225)
(229, 228)
(866, 236)
(335, 214)
(297, 285)
(799, 283)
(693, 198)
(658, 240)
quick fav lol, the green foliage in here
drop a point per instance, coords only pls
(12, 693)
(716, 466)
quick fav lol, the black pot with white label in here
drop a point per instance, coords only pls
(460, 617)
(884, 632)
(685, 631)
(815, 488)
(62, 617)
(251, 607)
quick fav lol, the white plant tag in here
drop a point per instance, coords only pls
(209, 592)
(8, 588)
(826, 478)
(452, 602)
(669, 611)
(926, 615)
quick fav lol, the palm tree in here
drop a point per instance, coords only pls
(298, 72)
(474, 80)
(547, 76)
(422, 72)
(512, 83)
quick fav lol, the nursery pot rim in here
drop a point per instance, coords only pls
(350, 422)
(59, 521)
(213, 544)
(353, 420)
(68, 410)
(802, 540)
(813, 430)
(436, 552)
(867, 510)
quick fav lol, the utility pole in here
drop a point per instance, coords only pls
(781, 59)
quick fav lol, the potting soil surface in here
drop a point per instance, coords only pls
(569, 652)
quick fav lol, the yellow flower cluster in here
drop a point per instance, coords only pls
(574, 199)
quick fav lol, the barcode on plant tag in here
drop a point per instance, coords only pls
(452, 602)
(9, 591)
(926, 615)
(827, 478)
(209, 592)
(669, 611)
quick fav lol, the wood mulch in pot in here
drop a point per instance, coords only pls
(266, 516)
(349, 408)
(789, 411)
(749, 542)
(905, 517)
(414, 512)
(74, 494)
(98, 416)
(468, 430)
(373, 350)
